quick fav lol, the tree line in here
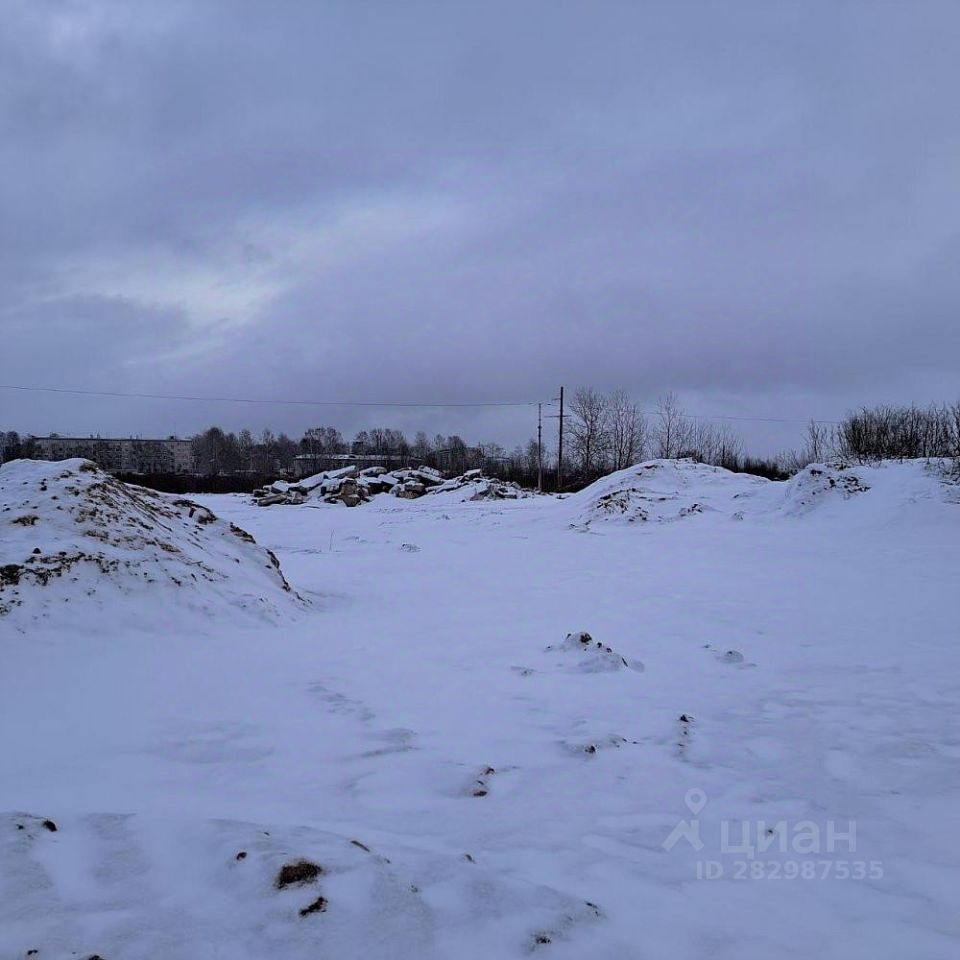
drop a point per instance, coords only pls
(217, 452)
(885, 432)
(604, 433)
(610, 432)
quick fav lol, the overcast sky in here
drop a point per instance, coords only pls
(756, 205)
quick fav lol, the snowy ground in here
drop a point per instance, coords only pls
(469, 792)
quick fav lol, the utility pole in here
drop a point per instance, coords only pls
(539, 447)
(560, 452)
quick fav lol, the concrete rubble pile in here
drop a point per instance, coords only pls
(352, 486)
(479, 487)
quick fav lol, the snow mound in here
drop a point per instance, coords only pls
(817, 484)
(72, 536)
(580, 653)
(662, 491)
(891, 491)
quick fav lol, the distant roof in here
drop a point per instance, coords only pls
(348, 457)
(56, 436)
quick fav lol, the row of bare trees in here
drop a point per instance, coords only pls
(884, 433)
(611, 432)
(219, 453)
(13, 446)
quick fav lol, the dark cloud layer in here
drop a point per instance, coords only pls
(755, 205)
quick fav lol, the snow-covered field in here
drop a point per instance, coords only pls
(775, 663)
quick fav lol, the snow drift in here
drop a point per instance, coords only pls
(660, 491)
(73, 537)
(91, 886)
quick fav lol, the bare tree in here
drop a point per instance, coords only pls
(954, 433)
(245, 447)
(901, 433)
(457, 455)
(673, 431)
(319, 444)
(729, 448)
(589, 436)
(421, 448)
(818, 446)
(818, 440)
(495, 459)
(627, 430)
(10, 446)
(531, 460)
(215, 452)
(714, 443)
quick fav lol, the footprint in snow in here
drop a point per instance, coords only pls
(566, 923)
(685, 727)
(396, 740)
(480, 786)
(339, 703)
(212, 742)
(594, 745)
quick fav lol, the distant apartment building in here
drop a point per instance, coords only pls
(306, 464)
(458, 459)
(122, 455)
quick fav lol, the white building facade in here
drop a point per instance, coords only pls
(122, 455)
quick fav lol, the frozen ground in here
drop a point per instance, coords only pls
(472, 782)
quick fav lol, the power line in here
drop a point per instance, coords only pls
(374, 403)
(703, 416)
(303, 403)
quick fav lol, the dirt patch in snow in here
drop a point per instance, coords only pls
(298, 873)
(318, 906)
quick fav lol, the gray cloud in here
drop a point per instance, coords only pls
(753, 205)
